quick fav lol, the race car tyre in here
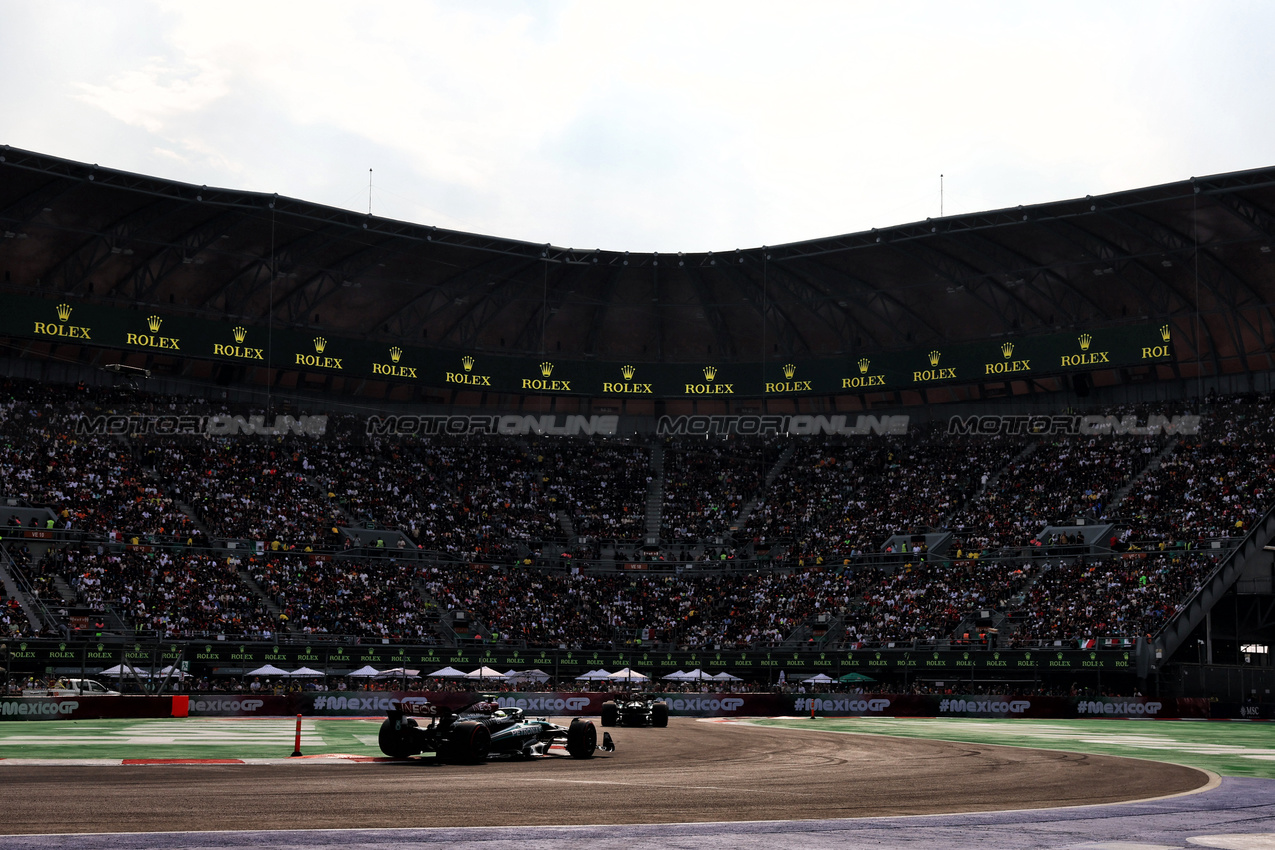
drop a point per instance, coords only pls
(610, 713)
(467, 743)
(582, 739)
(659, 714)
(397, 742)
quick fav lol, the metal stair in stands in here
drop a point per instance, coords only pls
(746, 511)
(655, 492)
(1155, 464)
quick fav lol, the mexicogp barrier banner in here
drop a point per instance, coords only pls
(1002, 706)
(84, 708)
(574, 704)
(242, 705)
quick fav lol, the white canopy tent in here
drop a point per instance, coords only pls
(447, 673)
(675, 676)
(268, 670)
(398, 673)
(696, 675)
(819, 679)
(124, 670)
(726, 677)
(367, 671)
(484, 673)
(594, 676)
(305, 671)
(533, 675)
(629, 675)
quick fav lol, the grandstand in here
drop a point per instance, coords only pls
(1027, 449)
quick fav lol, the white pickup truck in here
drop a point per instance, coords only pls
(72, 688)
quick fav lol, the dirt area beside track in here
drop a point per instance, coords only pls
(690, 772)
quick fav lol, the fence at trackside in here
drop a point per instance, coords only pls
(365, 704)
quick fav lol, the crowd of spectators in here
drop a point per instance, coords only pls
(13, 621)
(577, 610)
(602, 487)
(926, 601)
(1213, 485)
(834, 501)
(489, 504)
(1058, 480)
(172, 593)
(466, 497)
(707, 483)
(323, 595)
(91, 481)
(247, 489)
(1130, 595)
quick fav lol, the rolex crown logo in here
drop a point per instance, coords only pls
(239, 333)
(396, 353)
(789, 370)
(1007, 348)
(934, 357)
(319, 344)
(710, 372)
(546, 368)
(153, 322)
(1164, 333)
(863, 366)
(628, 372)
(467, 362)
(64, 311)
(1085, 339)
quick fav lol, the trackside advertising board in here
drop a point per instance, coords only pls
(570, 704)
(175, 335)
(84, 708)
(362, 703)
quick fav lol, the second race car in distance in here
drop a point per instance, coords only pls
(635, 710)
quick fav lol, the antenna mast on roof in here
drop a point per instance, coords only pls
(940, 197)
(369, 191)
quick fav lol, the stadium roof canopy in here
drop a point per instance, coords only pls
(74, 230)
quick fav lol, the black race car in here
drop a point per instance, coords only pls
(635, 710)
(481, 730)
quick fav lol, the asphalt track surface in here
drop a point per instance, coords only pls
(690, 773)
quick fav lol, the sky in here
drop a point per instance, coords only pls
(642, 126)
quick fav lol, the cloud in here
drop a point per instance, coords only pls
(151, 96)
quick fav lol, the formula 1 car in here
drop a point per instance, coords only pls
(635, 710)
(482, 730)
